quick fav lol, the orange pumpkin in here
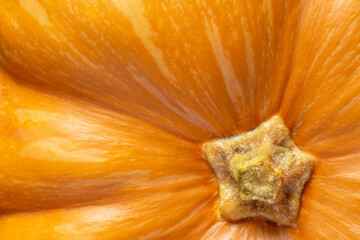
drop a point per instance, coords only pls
(104, 106)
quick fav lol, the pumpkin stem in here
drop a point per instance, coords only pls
(261, 173)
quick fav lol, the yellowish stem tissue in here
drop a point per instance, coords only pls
(261, 173)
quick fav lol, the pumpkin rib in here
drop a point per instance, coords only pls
(108, 221)
(327, 44)
(332, 188)
(124, 84)
(207, 94)
(169, 127)
(61, 138)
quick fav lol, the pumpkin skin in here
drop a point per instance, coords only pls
(105, 104)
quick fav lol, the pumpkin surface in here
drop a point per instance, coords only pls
(104, 107)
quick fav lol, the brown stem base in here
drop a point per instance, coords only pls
(261, 173)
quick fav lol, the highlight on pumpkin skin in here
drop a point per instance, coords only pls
(62, 153)
(130, 219)
(255, 229)
(195, 78)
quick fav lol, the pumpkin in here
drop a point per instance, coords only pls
(105, 106)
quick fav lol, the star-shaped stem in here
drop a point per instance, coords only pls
(261, 173)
